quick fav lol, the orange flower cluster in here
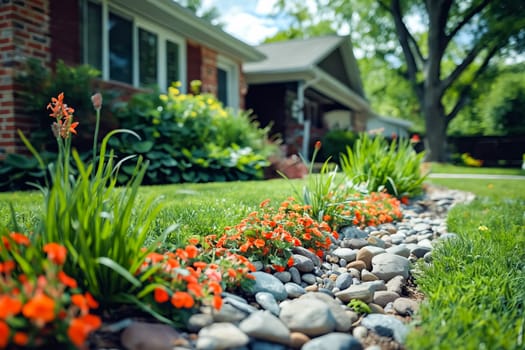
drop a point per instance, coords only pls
(64, 125)
(39, 305)
(268, 235)
(183, 280)
(369, 210)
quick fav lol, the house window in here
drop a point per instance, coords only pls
(227, 82)
(94, 35)
(148, 50)
(120, 49)
(129, 48)
(172, 62)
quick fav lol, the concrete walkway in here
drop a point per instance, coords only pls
(476, 176)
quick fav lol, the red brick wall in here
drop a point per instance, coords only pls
(24, 33)
(209, 71)
(65, 32)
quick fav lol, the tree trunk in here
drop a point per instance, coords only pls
(436, 128)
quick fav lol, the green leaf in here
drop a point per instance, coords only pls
(143, 146)
(119, 269)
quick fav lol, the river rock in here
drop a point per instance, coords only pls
(333, 341)
(221, 335)
(265, 326)
(309, 316)
(265, 282)
(385, 266)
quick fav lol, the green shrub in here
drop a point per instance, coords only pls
(191, 138)
(335, 143)
(394, 167)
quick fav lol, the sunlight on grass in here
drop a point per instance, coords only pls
(445, 168)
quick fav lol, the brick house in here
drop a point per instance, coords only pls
(133, 44)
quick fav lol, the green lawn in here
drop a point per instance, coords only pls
(445, 168)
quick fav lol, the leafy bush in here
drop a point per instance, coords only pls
(335, 143)
(191, 138)
(394, 167)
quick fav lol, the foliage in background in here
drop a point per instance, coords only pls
(40, 305)
(192, 138)
(394, 167)
(335, 143)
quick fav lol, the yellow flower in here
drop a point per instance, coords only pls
(156, 121)
(163, 98)
(483, 228)
(173, 91)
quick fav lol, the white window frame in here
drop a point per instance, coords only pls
(232, 79)
(163, 35)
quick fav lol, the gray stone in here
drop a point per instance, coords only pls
(198, 321)
(342, 319)
(265, 326)
(401, 250)
(367, 276)
(419, 251)
(343, 281)
(376, 285)
(308, 278)
(305, 252)
(309, 316)
(386, 326)
(221, 336)
(333, 341)
(425, 243)
(362, 292)
(294, 290)
(284, 276)
(421, 227)
(360, 332)
(140, 335)
(383, 297)
(354, 243)
(302, 263)
(350, 232)
(258, 265)
(345, 253)
(228, 313)
(385, 266)
(265, 282)
(366, 254)
(376, 241)
(296, 275)
(406, 306)
(267, 301)
(240, 305)
(264, 345)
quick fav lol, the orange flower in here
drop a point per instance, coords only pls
(66, 280)
(318, 145)
(80, 327)
(40, 309)
(56, 253)
(7, 266)
(194, 240)
(259, 243)
(192, 251)
(160, 295)
(182, 300)
(80, 301)
(58, 108)
(217, 302)
(20, 338)
(195, 289)
(91, 302)
(19, 238)
(4, 334)
(9, 306)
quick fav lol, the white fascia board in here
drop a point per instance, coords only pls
(338, 91)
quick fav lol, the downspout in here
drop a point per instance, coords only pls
(301, 88)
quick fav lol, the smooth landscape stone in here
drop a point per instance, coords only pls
(333, 341)
(294, 290)
(376, 309)
(376, 285)
(198, 321)
(342, 319)
(141, 335)
(386, 326)
(265, 326)
(354, 243)
(357, 265)
(309, 316)
(228, 313)
(284, 276)
(308, 278)
(258, 265)
(362, 292)
(411, 239)
(367, 276)
(264, 345)
(360, 332)
(343, 281)
(345, 253)
(376, 241)
(428, 257)
(305, 252)
(406, 306)
(312, 288)
(350, 232)
(302, 263)
(419, 251)
(239, 304)
(401, 250)
(220, 336)
(423, 237)
(383, 297)
(298, 339)
(421, 227)
(425, 243)
(264, 282)
(448, 236)
(366, 254)
(267, 301)
(385, 266)
(296, 275)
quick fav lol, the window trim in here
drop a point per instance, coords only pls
(137, 21)
(232, 80)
